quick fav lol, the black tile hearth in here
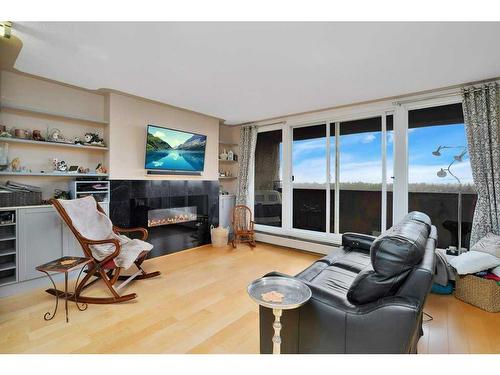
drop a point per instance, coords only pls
(178, 214)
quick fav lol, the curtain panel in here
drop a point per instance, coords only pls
(481, 110)
(248, 140)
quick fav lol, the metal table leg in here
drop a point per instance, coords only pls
(66, 295)
(47, 315)
(277, 328)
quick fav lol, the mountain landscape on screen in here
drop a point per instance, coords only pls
(169, 149)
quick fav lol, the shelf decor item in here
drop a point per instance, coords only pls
(4, 156)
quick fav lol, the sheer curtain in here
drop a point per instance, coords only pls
(481, 110)
(248, 139)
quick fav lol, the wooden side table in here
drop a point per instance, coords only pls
(64, 265)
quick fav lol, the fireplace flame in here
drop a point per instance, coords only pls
(172, 220)
(171, 216)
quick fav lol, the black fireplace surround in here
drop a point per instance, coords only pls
(177, 214)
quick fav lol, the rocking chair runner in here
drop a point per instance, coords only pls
(106, 263)
(243, 225)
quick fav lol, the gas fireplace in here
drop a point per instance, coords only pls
(178, 214)
(166, 216)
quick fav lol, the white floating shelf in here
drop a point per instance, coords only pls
(41, 112)
(227, 178)
(227, 161)
(56, 144)
(228, 143)
(53, 174)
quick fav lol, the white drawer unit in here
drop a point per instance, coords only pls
(99, 189)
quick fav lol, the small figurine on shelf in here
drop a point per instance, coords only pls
(55, 161)
(62, 166)
(15, 165)
(56, 135)
(83, 170)
(77, 141)
(223, 155)
(61, 194)
(93, 139)
(101, 169)
(230, 155)
(37, 136)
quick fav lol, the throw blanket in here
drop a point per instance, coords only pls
(94, 225)
(443, 272)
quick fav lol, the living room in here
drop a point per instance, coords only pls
(176, 187)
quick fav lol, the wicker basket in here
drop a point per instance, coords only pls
(20, 198)
(479, 292)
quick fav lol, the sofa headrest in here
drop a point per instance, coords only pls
(418, 216)
(393, 255)
(401, 247)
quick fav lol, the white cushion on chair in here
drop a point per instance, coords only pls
(94, 225)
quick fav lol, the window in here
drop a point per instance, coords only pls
(309, 151)
(268, 177)
(438, 169)
(360, 176)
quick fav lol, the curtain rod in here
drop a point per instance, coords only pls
(446, 95)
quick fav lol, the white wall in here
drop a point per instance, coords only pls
(129, 117)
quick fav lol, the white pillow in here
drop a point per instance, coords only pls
(489, 244)
(496, 271)
(474, 261)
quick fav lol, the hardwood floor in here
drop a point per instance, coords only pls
(200, 305)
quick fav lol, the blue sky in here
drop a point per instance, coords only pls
(360, 156)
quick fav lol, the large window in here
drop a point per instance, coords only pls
(268, 177)
(323, 179)
(438, 169)
(309, 152)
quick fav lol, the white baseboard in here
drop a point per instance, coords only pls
(313, 247)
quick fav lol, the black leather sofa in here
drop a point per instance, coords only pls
(367, 296)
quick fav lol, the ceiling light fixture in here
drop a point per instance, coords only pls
(5, 27)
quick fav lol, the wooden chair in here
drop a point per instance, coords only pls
(104, 269)
(243, 225)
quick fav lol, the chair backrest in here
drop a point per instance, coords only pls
(242, 216)
(86, 219)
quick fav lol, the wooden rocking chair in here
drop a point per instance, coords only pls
(243, 225)
(104, 269)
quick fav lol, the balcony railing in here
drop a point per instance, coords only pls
(360, 209)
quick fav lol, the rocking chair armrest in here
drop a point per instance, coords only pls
(143, 231)
(112, 241)
(252, 225)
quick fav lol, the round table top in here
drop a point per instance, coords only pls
(295, 292)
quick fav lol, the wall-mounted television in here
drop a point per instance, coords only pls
(174, 151)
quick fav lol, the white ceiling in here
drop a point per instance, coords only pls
(243, 72)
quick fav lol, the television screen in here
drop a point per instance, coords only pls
(174, 150)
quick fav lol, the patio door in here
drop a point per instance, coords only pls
(341, 176)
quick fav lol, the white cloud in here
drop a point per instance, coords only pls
(368, 138)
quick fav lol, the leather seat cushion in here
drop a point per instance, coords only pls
(337, 280)
(340, 274)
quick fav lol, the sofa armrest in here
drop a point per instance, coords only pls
(357, 241)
